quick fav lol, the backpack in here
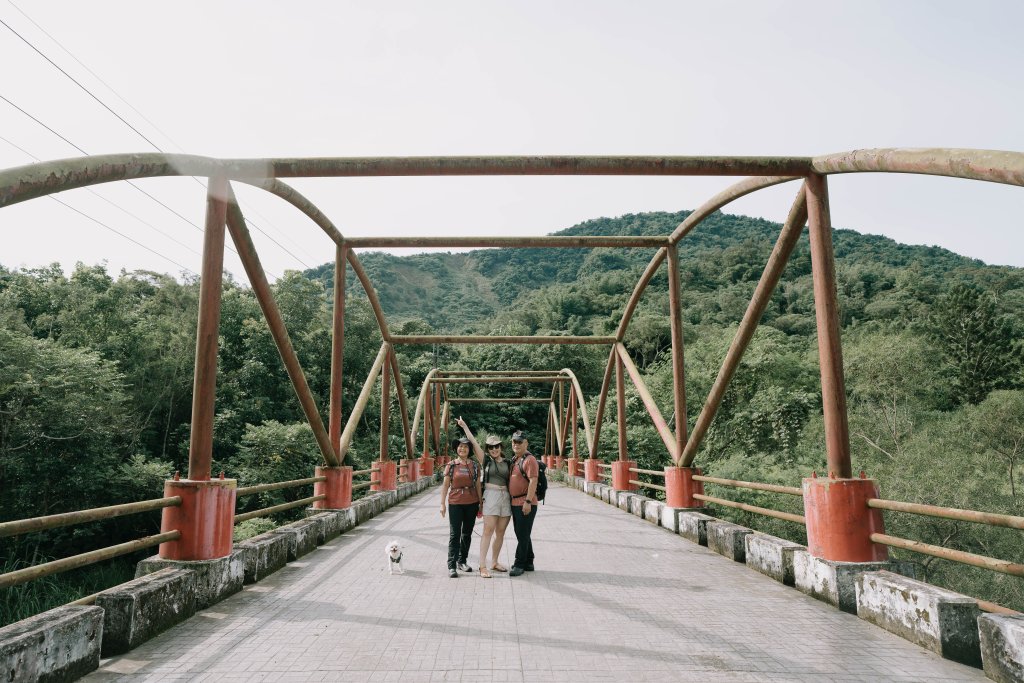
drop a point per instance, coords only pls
(450, 473)
(542, 477)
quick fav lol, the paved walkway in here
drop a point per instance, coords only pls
(613, 598)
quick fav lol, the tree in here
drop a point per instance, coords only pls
(976, 341)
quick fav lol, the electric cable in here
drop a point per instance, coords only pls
(119, 117)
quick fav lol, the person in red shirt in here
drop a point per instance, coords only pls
(522, 486)
(460, 497)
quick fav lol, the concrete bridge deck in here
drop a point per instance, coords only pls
(613, 598)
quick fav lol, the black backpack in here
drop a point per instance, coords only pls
(542, 477)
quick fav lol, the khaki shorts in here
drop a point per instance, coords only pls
(497, 501)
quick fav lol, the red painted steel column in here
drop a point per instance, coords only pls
(839, 521)
(426, 462)
(385, 410)
(337, 488)
(621, 475)
(205, 517)
(826, 308)
(680, 487)
(620, 408)
(384, 474)
(591, 471)
(678, 376)
(575, 432)
(204, 388)
(338, 347)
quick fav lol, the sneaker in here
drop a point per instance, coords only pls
(452, 574)
(516, 571)
(528, 568)
(463, 567)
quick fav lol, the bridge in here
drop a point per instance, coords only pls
(612, 598)
(613, 595)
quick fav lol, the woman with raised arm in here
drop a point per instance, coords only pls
(497, 505)
(460, 498)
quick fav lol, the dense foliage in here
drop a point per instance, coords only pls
(96, 378)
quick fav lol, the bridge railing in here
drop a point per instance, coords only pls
(262, 488)
(37, 524)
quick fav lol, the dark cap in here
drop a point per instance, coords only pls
(461, 439)
(519, 436)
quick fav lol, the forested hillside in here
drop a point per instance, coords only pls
(96, 377)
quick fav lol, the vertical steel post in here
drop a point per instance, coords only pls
(204, 387)
(337, 346)
(437, 419)
(678, 376)
(575, 424)
(826, 308)
(385, 408)
(620, 408)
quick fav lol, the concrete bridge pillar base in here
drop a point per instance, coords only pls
(337, 488)
(411, 470)
(680, 487)
(839, 521)
(621, 475)
(384, 475)
(205, 518)
(426, 466)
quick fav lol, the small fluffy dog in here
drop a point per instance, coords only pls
(394, 553)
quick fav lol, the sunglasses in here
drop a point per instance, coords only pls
(493, 445)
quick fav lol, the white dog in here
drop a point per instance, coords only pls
(394, 553)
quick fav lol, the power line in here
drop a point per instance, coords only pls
(117, 232)
(119, 117)
(94, 74)
(108, 201)
(84, 89)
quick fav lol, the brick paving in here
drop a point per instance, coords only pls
(613, 598)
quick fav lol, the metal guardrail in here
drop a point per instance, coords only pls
(260, 488)
(788, 516)
(24, 526)
(278, 508)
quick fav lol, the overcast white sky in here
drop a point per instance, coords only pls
(262, 79)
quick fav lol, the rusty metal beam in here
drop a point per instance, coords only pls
(278, 330)
(204, 383)
(503, 373)
(995, 166)
(784, 245)
(826, 309)
(501, 380)
(652, 408)
(420, 403)
(489, 339)
(497, 400)
(675, 307)
(553, 241)
(602, 400)
(24, 526)
(620, 409)
(364, 398)
(385, 407)
(975, 560)
(396, 372)
(581, 407)
(976, 516)
(371, 295)
(337, 346)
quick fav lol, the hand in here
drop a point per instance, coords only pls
(480, 513)
(527, 507)
(442, 509)
(459, 421)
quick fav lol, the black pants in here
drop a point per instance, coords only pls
(523, 525)
(461, 519)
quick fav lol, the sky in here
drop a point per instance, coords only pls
(250, 79)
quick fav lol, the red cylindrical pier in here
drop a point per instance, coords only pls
(205, 518)
(384, 474)
(411, 469)
(337, 488)
(621, 475)
(426, 466)
(591, 471)
(680, 487)
(839, 521)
